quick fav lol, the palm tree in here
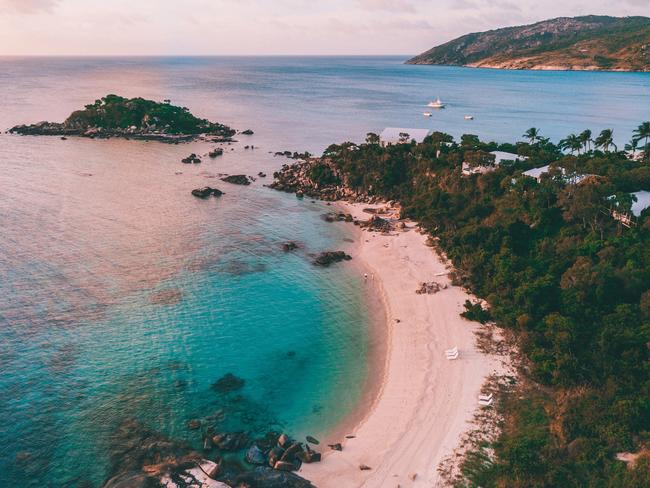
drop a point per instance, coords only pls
(532, 135)
(572, 142)
(585, 138)
(632, 146)
(606, 139)
(643, 132)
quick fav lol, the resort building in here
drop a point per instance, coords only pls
(537, 172)
(400, 135)
(497, 158)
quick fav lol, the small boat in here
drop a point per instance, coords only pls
(437, 104)
(427, 114)
(469, 117)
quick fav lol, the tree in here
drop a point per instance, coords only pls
(643, 132)
(585, 139)
(572, 142)
(404, 137)
(605, 140)
(372, 138)
(632, 146)
(532, 135)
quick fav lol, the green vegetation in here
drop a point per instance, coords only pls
(129, 117)
(590, 42)
(556, 268)
(114, 112)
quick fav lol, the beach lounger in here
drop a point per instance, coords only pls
(486, 403)
(452, 353)
(485, 398)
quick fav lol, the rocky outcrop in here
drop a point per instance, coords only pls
(296, 178)
(376, 223)
(191, 159)
(328, 258)
(264, 477)
(237, 179)
(289, 246)
(206, 192)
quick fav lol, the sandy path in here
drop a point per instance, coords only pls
(425, 402)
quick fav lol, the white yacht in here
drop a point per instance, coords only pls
(426, 114)
(437, 104)
(469, 117)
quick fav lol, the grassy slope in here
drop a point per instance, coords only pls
(593, 42)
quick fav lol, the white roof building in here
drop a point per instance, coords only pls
(393, 135)
(642, 202)
(537, 172)
(501, 156)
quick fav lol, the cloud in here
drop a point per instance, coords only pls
(387, 5)
(28, 6)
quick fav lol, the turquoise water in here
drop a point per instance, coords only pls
(121, 296)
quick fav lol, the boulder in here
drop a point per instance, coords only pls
(237, 179)
(327, 258)
(336, 447)
(216, 153)
(286, 466)
(275, 455)
(191, 159)
(312, 440)
(284, 441)
(206, 192)
(255, 455)
(271, 478)
(363, 467)
(290, 455)
(261, 174)
(231, 441)
(248, 132)
(289, 246)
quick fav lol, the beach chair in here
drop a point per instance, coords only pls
(452, 354)
(485, 403)
(485, 398)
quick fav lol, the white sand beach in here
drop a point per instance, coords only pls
(424, 402)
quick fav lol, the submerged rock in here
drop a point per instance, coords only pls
(255, 455)
(336, 447)
(227, 383)
(237, 179)
(330, 257)
(289, 246)
(216, 153)
(232, 441)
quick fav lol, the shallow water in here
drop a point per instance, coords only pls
(122, 296)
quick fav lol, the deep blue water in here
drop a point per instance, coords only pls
(94, 235)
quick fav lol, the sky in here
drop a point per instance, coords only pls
(269, 27)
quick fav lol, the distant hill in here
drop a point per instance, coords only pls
(580, 43)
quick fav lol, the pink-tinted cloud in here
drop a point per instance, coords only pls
(28, 6)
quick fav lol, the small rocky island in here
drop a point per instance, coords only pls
(132, 118)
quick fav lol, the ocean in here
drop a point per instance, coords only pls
(123, 297)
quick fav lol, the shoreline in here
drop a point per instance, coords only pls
(416, 404)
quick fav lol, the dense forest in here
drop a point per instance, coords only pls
(562, 262)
